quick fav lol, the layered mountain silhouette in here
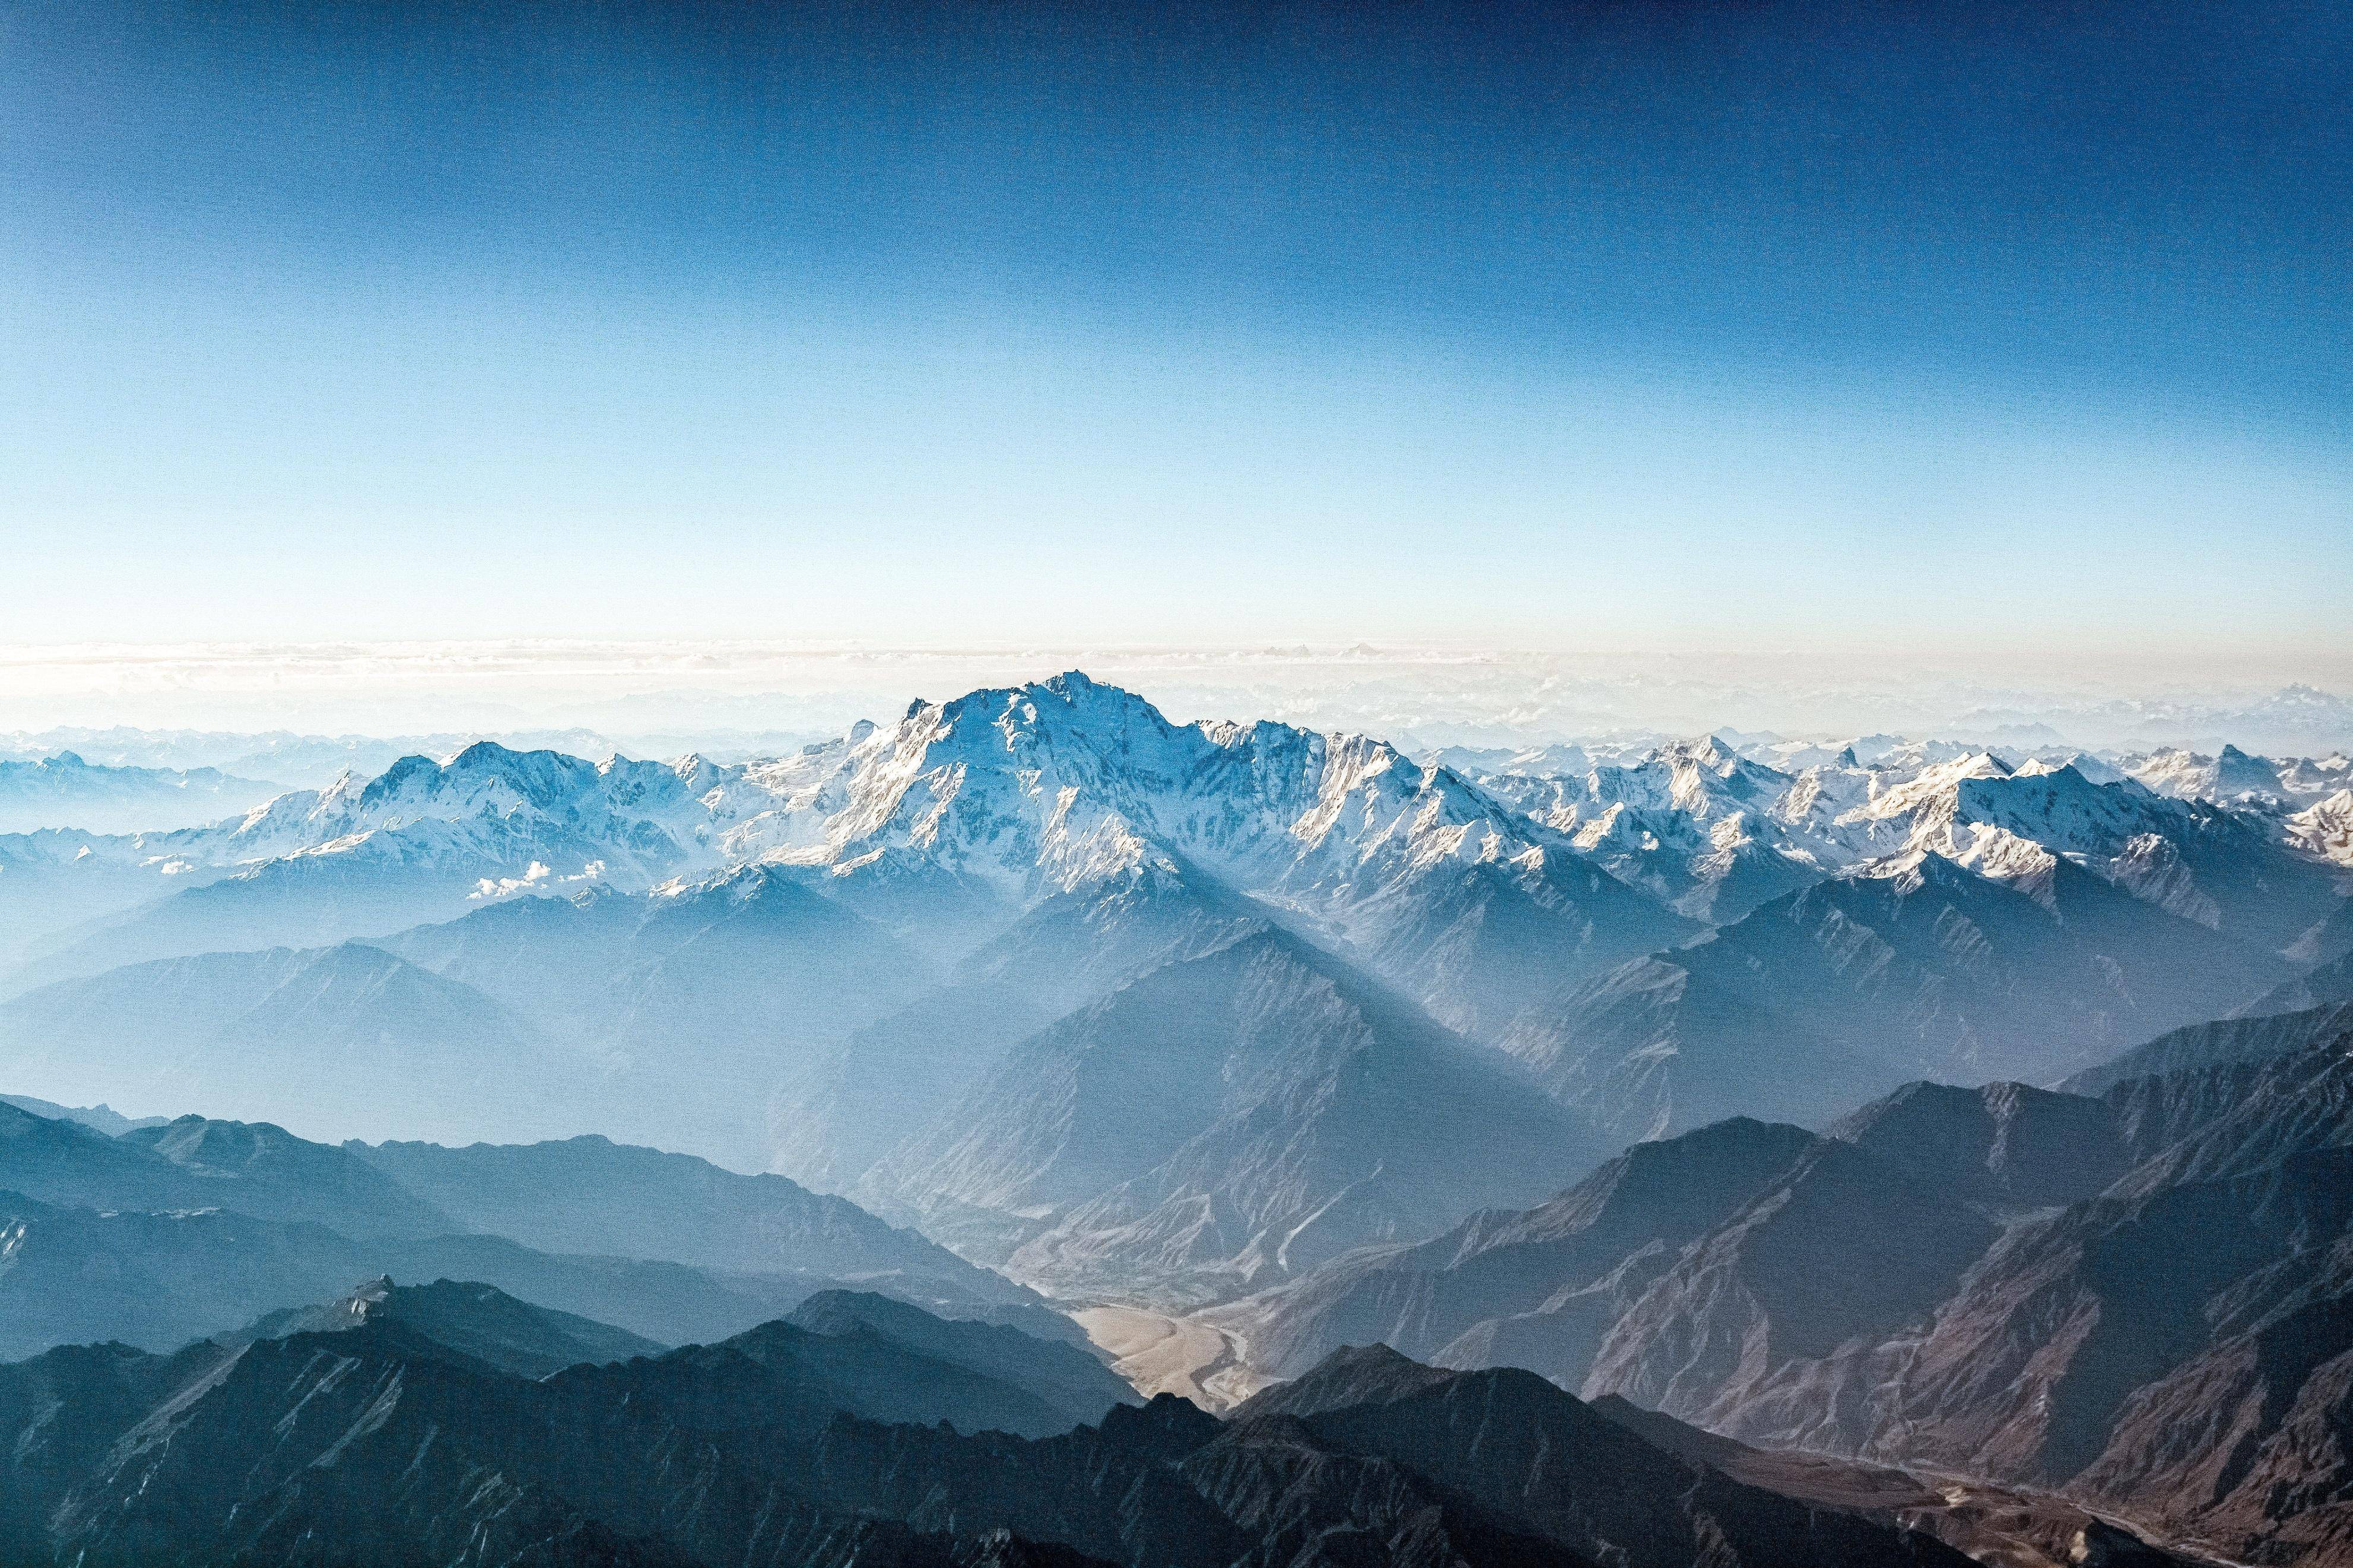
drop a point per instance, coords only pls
(853, 1104)
(64, 791)
(591, 1195)
(1926, 968)
(2322, 985)
(411, 1427)
(171, 1232)
(692, 1003)
(344, 1040)
(465, 1316)
(2214, 1044)
(2137, 1297)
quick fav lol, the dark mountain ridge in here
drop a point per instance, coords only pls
(172, 1232)
(403, 1448)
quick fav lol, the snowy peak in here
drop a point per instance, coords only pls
(2231, 776)
(515, 820)
(1373, 802)
(1908, 872)
(2015, 862)
(1930, 788)
(2325, 829)
(1047, 787)
(2066, 812)
(487, 778)
(1043, 784)
(2084, 762)
(1707, 774)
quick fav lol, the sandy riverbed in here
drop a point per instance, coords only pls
(1161, 1354)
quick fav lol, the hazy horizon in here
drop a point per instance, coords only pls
(670, 697)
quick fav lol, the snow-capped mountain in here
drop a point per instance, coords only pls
(2230, 777)
(639, 821)
(1690, 822)
(425, 840)
(2325, 829)
(950, 824)
(1049, 787)
(1717, 834)
(2193, 859)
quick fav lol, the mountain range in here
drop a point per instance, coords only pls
(871, 963)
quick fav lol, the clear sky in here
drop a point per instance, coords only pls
(1939, 328)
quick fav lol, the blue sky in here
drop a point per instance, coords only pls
(1606, 326)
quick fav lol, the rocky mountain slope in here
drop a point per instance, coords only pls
(1240, 1115)
(1533, 1288)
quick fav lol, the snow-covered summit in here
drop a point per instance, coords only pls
(1061, 783)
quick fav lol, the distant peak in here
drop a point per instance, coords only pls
(1351, 1375)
